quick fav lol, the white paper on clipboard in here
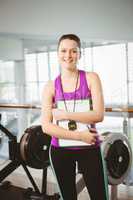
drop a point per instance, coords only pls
(80, 106)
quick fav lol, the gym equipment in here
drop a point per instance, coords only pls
(118, 156)
(5, 185)
(0, 136)
(32, 151)
(34, 147)
(0, 141)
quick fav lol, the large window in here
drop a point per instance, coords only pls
(110, 63)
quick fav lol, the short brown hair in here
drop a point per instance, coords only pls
(71, 37)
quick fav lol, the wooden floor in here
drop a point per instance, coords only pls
(19, 178)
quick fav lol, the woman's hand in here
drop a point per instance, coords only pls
(88, 137)
(59, 114)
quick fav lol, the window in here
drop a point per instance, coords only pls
(43, 67)
(81, 63)
(110, 63)
(88, 59)
(7, 81)
(130, 72)
(30, 64)
(31, 78)
(43, 73)
(54, 65)
(36, 66)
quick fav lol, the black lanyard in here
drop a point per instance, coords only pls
(71, 123)
(74, 101)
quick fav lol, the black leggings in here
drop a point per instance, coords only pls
(63, 162)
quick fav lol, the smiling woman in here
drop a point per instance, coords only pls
(70, 87)
(68, 52)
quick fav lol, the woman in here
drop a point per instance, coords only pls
(73, 84)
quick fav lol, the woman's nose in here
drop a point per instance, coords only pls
(68, 54)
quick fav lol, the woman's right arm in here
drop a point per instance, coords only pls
(52, 129)
(48, 126)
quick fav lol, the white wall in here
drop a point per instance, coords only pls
(11, 49)
(90, 19)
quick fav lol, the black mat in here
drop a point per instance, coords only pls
(10, 192)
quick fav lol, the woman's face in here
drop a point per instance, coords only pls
(68, 53)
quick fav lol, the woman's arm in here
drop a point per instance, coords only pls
(94, 116)
(52, 129)
(47, 119)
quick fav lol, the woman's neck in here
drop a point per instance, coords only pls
(68, 74)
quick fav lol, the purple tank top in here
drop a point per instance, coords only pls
(83, 92)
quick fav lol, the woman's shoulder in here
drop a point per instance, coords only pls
(89, 74)
(49, 83)
(92, 75)
(92, 78)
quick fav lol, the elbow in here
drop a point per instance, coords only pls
(99, 117)
(45, 128)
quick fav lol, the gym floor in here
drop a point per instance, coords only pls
(20, 182)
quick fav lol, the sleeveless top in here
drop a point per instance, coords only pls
(83, 92)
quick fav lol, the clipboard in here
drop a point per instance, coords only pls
(83, 105)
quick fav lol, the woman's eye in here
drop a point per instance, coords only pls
(74, 51)
(63, 50)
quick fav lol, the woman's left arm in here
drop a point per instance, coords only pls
(93, 116)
